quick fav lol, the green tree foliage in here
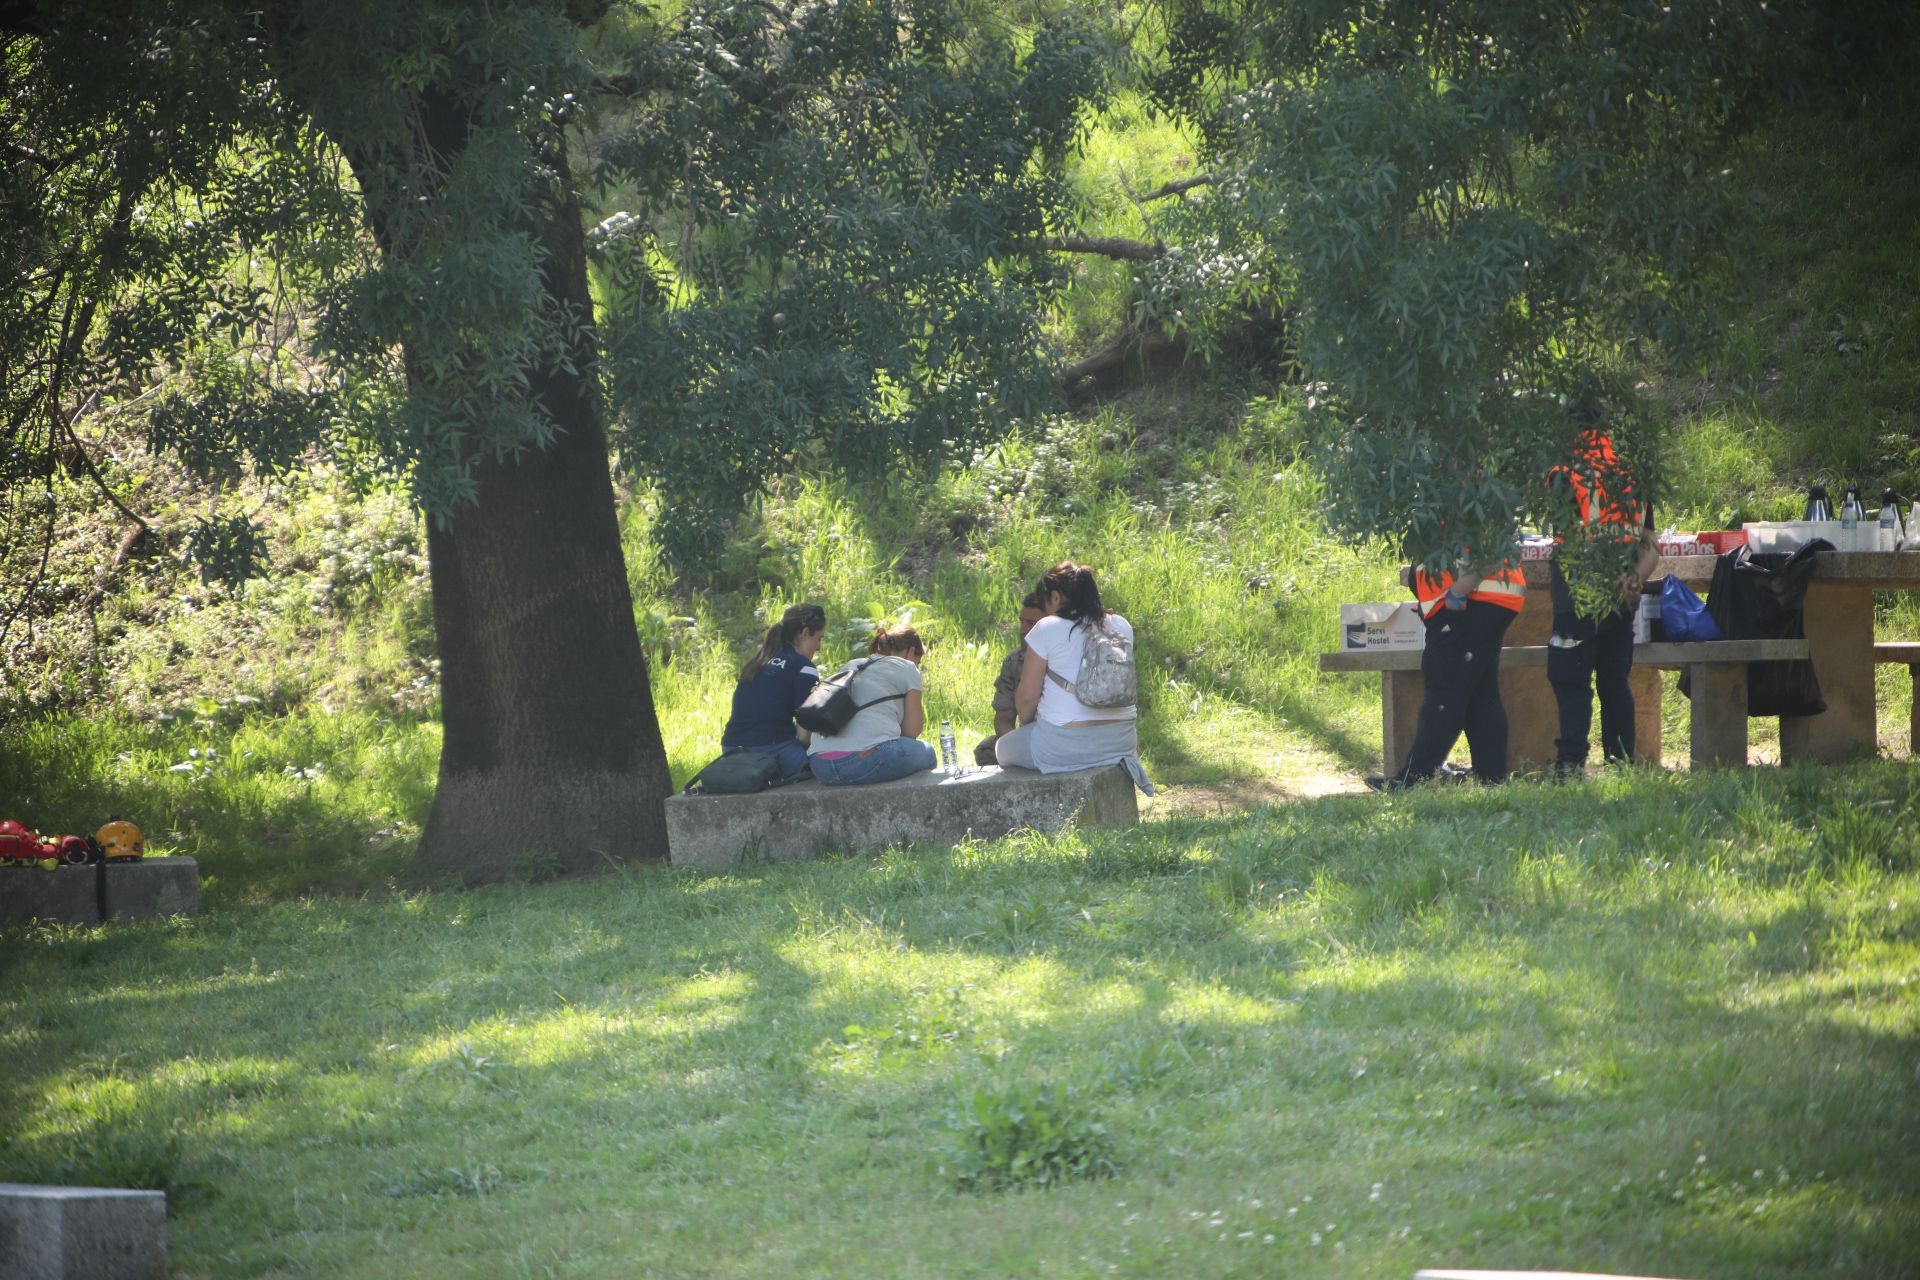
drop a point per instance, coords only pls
(823, 211)
(1483, 212)
(163, 213)
(353, 231)
(826, 252)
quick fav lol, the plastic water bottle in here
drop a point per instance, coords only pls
(1851, 513)
(1818, 508)
(1913, 528)
(949, 757)
(1889, 539)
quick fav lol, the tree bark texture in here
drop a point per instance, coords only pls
(551, 760)
(552, 757)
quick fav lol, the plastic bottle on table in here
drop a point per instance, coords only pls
(949, 756)
(1851, 514)
(1913, 528)
(1888, 538)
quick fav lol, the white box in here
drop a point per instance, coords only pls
(1790, 535)
(1382, 626)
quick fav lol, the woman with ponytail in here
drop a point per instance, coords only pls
(882, 741)
(773, 684)
(1058, 732)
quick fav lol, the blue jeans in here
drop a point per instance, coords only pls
(792, 755)
(894, 758)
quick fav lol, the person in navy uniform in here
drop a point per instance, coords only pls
(1585, 655)
(773, 684)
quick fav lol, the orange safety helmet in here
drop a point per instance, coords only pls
(121, 840)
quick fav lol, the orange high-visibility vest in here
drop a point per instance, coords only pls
(1595, 462)
(1504, 587)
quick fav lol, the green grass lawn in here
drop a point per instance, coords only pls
(1649, 1023)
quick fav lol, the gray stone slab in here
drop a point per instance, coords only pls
(153, 889)
(82, 1233)
(1451, 1273)
(807, 820)
(61, 896)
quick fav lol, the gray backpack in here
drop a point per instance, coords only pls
(1107, 677)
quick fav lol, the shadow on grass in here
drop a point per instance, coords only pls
(1442, 997)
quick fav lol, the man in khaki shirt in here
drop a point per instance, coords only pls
(1032, 609)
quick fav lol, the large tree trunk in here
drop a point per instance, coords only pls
(552, 758)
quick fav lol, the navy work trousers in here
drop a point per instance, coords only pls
(1461, 666)
(1601, 658)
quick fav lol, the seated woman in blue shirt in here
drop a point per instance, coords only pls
(772, 686)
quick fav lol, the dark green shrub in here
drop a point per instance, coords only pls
(1027, 1135)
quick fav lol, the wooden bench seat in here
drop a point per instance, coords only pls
(1718, 675)
(1909, 655)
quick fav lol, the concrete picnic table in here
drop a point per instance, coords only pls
(1839, 631)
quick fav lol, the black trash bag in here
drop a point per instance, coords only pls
(1763, 597)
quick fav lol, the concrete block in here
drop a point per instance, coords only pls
(64, 895)
(150, 889)
(807, 820)
(153, 889)
(1719, 733)
(1451, 1273)
(82, 1233)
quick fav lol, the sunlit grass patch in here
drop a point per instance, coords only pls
(1387, 1004)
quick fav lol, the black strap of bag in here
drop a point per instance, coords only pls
(830, 708)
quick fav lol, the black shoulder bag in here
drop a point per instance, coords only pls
(737, 773)
(830, 705)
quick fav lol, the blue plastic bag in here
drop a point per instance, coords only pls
(1683, 614)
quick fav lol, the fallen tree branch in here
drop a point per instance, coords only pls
(1138, 355)
(1133, 349)
(1105, 246)
(1176, 187)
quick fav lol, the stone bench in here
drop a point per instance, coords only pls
(807, 820)
(150, 889)
(1717, 670)
(59, 1233)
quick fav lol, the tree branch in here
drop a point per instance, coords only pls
(1176, 187)
(1105, 246)
(79, 451)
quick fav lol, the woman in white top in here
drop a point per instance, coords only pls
(1059, 733)
(882, 741)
